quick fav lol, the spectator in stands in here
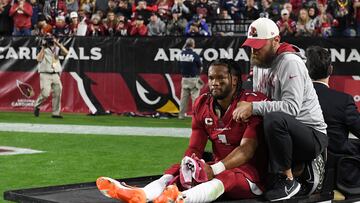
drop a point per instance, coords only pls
(251, 12)
(197, 27)
(164, 8)
(110, 24)
(286, 25)
(224, 25)
(343, 24)
(323, 21)
(21, 13)
(6, 22)
(74, 23)
(138, 28)
(61, 28)
(50, 11)
(304, 26)
(95, 27)
(292, 15)
(124, 7)
(180, 8)
(190, 4)
(269, 9)
(312, 12)
(112, 6)
(156, 26)
(102, 5)
(357, 16)
(44, 28)
(144, 10)
(204, 10)
(234, 8)
(88, 6)
(72, 5)
(339, 109)
(36, 13)
(176, 26)
(122, 28)
(296, 6)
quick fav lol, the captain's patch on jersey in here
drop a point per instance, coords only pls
(6, 150)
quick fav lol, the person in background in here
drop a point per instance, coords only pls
(339, 109)
(295, 131)
(138, 28)
(286, 25)
(156, 26)
(49, 68)
(176, 26)
(304, 26)
(197, 27)
(21, 13)
(190, 67)
(6, 21)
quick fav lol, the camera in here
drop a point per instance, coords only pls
(48, 42)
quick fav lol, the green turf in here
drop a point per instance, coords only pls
(83, 119)
(83, 158)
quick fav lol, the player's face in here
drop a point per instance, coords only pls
(264, 56)
(220, 83)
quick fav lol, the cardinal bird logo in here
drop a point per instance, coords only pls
(25, 89)
(253, 32)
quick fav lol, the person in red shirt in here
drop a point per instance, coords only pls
(21, 13)
(239, 161)
(138, 28)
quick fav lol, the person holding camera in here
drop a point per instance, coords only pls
(49, 68)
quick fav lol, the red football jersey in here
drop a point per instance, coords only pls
(225, 133)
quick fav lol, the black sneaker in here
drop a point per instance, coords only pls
(284, 188)
(313, 175)
(36, 112)
(56, 116)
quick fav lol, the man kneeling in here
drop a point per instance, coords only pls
(237, 150)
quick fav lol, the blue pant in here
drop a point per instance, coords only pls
(22, 32)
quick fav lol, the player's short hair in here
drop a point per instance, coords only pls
(318, 62)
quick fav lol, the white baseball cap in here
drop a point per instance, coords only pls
(259, 32)
(73, 14)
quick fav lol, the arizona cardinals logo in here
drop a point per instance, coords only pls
(25, 89)
(253, 32)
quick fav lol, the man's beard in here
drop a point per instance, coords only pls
(226, 92)
(265, 63)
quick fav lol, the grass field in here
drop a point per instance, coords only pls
(82, 158)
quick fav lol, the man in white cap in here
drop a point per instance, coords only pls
(286, 25)
(295, 131)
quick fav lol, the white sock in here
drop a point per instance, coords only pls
(205, 192)
(155, 188)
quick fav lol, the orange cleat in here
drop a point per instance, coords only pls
(116, 190)
(171, 194)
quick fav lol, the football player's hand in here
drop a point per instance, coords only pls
(243, 111)
(209, 171)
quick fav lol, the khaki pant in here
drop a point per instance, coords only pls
(189, 87)
(48, 83)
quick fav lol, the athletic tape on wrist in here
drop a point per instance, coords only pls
(218, 168)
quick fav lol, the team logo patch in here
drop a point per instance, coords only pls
(253, 32)
(209, 121)
(25, 89)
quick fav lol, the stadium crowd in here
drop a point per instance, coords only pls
(325, 18)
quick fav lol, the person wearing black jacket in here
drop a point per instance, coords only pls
(339, 109)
